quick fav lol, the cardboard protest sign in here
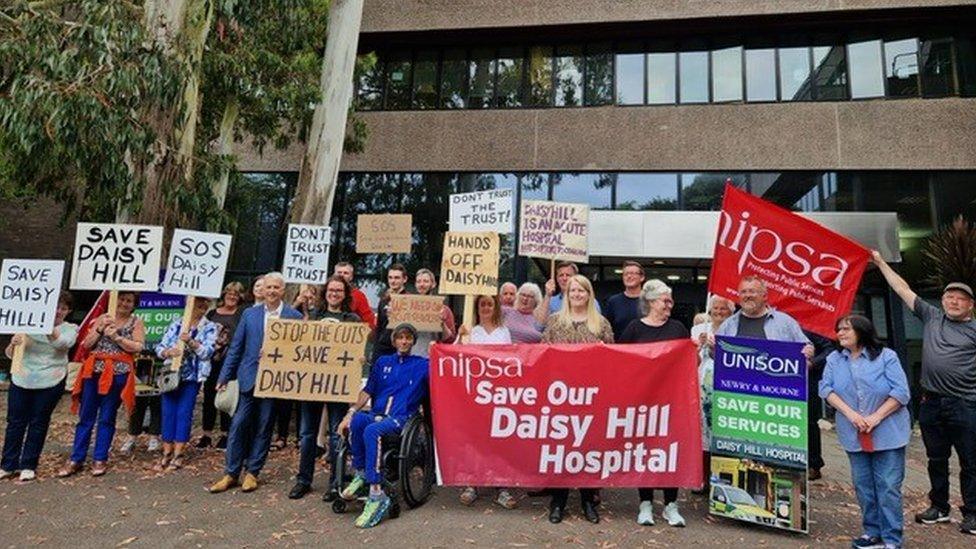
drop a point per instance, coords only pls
(541, 415)
(811, 272)
(197, 262)
(29, 290)
(307, 254)
(305, 360)
(554, 230)
(116, 257)
(482, 211)
(759, 433)
(423, 311)
(469, 265)
(384, 233)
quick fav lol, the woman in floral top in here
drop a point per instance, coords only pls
(177, 406)
(105, 380)
(576, 322)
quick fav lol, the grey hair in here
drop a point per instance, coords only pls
(532, 288)
(652, 289)
(716, 297)
(275, 274)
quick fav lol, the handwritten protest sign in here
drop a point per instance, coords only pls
(541, 415)
(307, 254)
(482, 211)
(384, 233)
(197, 262)
(305, 360)
(423, 311)
(554, 230)
(759, 431)
(29, 290)
(116, 257)
(470, 264)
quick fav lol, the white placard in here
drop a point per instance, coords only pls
(112, 256)
(29, 290)
(197, 262)
(307, 254)
(479, 211)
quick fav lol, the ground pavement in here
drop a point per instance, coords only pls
(134, 507)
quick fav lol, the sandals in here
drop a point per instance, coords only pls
(162, 464)
(70, 469)
(175, 464)
(99, 468)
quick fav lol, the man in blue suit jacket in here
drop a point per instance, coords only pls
(250, 429)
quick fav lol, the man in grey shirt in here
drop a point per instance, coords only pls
(947, 414)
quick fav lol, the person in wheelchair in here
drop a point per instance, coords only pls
(397, 385)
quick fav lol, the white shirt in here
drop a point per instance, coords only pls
(500, 336)
(273, 313)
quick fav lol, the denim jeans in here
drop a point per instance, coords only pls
(311, 415)
(101, 409)
(949, 422)
(28, 417)
(877, 478)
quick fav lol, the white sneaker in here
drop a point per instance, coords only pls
(27, 474)
(645, 514)
(5, 474)
(153, 444)
(672, 515)
(128, 445)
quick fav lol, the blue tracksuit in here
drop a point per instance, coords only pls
(397, 385)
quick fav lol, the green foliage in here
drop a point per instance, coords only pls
(73, 96)
(951, 254)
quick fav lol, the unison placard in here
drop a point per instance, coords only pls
(112, 256)
(310, 360)
(29, 290)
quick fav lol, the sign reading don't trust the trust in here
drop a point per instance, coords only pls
(303, 360)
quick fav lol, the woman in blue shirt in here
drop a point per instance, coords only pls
(866, 383)
(177, 405)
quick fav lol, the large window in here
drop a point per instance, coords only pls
(259, 203)
(832, 65)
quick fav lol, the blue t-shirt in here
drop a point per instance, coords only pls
(556, 303)
(621, 310)
(398, 384)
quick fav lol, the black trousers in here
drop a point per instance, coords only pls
(284, 410)
(560, 495)
(138, 417)
(949, 422)
(209, 411)
(647, 494)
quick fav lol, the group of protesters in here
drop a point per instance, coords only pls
(220, 347)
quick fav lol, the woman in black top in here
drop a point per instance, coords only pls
(656, 325)
(227, 314)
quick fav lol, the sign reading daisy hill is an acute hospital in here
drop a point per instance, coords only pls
(759, 432)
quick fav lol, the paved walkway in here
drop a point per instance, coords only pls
(133, 506)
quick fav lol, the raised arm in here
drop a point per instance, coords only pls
(895, 280)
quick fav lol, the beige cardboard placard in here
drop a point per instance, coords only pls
(423, 311)
(384, 233)
(312, 360)
(470, 264)
(554, 230)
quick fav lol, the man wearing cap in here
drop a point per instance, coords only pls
(947, 414)
(397, 385)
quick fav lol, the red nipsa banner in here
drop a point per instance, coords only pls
(812, 273)
(584, 415)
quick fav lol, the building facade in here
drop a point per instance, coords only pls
(647, 106)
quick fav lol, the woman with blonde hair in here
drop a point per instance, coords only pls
(426, 282)
(576, 322)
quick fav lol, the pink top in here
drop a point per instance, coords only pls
(523, 327)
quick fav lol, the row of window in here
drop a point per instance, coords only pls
(668, 73)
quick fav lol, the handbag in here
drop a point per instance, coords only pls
(167, 381)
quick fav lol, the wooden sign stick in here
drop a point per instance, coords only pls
(17, 361)
(468, 318)
(113, 302)
(177, 361)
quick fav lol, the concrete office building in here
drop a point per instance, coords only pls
(642, 109)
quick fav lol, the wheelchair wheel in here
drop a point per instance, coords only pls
(339, 506)
(416, 462)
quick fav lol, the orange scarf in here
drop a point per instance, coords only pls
(105, 379)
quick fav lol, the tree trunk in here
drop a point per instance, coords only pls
(225, 147)
(320, 165)
(180, 28)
